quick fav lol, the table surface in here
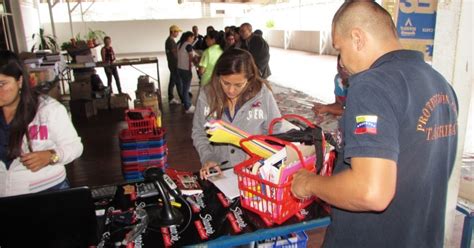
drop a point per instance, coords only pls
(215, 223)
(126, 61)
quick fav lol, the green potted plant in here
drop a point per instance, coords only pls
(93, 36)
(76, 46)
(44, 41)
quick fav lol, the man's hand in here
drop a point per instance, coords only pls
(35, 161)
(301, 184)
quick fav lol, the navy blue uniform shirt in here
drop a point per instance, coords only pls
(400, 109)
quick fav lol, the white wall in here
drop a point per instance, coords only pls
(275, 38)
(453, 58)
(149, 35)
(304, 41)
(308, 41)
(136, 36)
(25, 21)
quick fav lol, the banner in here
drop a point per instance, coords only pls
(416, 21)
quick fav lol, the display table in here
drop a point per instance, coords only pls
(124, 62)
(211, 221)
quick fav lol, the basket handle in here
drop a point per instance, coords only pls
(274, 139)
(286, 117)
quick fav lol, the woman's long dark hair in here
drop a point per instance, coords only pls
(218, 37)
(233, 61)
(12, 66)
(184, 37)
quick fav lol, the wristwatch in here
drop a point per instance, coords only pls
(54, 157)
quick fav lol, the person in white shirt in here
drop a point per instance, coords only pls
(185, 63)
(37, 137)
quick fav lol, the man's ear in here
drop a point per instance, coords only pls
(358, 39)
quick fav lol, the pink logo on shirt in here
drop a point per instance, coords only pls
(256, 104)
(38, 132)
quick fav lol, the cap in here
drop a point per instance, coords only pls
(175, 28)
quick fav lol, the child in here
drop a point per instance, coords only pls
(108, 57)
(341, 84)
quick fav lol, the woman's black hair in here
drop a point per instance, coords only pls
(218, 37)
(12, 66)
(184, 38)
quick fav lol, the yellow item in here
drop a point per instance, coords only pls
(222, 132)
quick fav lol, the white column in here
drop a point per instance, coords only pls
(18, 25)
(453, 58)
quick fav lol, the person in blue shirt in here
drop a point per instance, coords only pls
(399, 137)
(341, 84)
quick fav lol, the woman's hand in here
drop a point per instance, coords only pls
(204, 172)
(35, 161)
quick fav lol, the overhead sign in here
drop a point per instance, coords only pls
(416, 21)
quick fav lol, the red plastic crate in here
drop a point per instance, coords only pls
(128, 136)
(142, 126)
(273, 202)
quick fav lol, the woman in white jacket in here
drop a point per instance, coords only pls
(37, 137)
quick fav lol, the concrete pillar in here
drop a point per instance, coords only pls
(18, 25)
(452, 57)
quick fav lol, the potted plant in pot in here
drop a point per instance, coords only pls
(76, 46)
(93, 36)
(44, 42)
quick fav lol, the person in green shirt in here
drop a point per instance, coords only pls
(215, 43)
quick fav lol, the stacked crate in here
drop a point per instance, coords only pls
(142, 145)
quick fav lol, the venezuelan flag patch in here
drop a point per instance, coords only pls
(366, 124)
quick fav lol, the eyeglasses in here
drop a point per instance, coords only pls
(238, 85)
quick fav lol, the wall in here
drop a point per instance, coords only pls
(275, 38)
(304, 40)
(25, 21)
(453, 59)
(147, 36)
(308, 41)
(136, 36)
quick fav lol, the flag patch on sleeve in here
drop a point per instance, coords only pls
(366, 124)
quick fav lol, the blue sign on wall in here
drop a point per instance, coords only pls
(416, 19)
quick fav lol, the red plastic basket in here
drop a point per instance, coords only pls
(126, 135)
(143, 126)
(273, 202)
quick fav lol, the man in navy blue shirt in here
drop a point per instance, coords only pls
(399, 133)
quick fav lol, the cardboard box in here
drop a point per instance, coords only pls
(82, 109)
(140, 94)
(137, 104)
(85, 58)
(83, 75)
(102, 103)
(119, 101)
(146, 87)
(143, 79)
(80, 90)
(151, 101)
